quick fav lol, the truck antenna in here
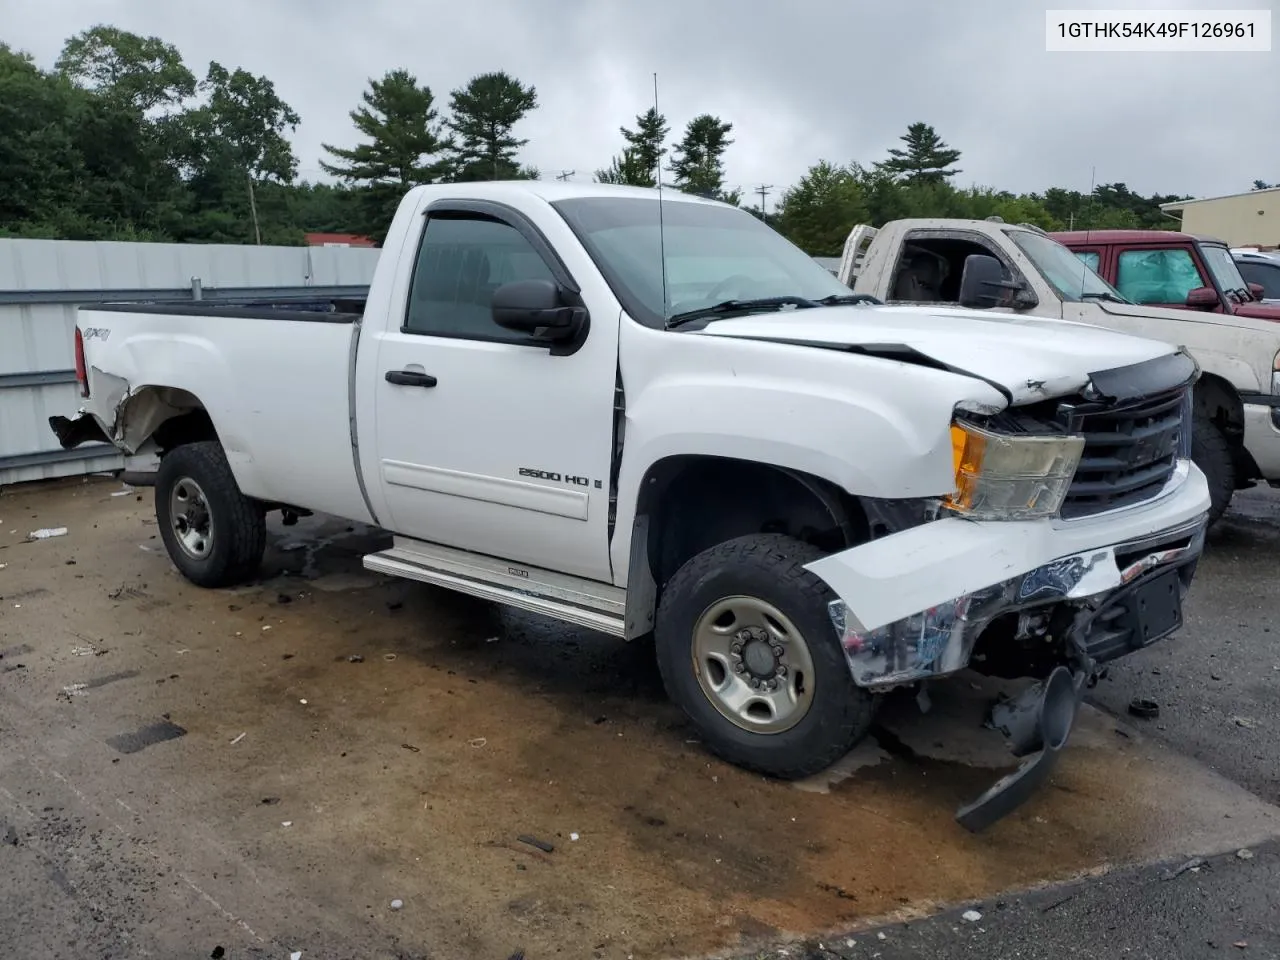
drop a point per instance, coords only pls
(662, 236)
(1088, 221)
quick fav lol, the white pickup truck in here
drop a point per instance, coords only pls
(1017, 268)
(650, 414)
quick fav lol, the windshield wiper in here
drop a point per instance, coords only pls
(720, 310)
(1102, 296)
(840, 299)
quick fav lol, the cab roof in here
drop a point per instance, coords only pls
(1069, 237)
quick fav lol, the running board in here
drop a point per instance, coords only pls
(587, 603)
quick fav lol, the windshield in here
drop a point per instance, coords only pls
(1223, 267)
(713, 253)
(1062, 269)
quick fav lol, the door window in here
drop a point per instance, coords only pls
(1267, 274)
(461, 262)
(1157, 276)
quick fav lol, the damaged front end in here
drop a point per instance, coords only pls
(1071, 539)
(1059, 621)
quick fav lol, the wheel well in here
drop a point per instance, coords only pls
(1218, 401)
(166, 416)
(191, 427)
(691, 503)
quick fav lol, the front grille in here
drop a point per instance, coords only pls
(1130, 451)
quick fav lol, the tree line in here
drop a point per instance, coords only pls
(121, 141)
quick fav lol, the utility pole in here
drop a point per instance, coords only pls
(253, 209)
(564, 175)
(763, 190)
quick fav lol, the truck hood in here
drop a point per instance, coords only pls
(1029, 358)
(1253, 320)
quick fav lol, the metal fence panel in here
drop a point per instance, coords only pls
(41, 281)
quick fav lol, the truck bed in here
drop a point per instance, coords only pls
(279, 392)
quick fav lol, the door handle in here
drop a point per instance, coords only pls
(410, 378)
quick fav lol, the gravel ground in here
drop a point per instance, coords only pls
(267, 770)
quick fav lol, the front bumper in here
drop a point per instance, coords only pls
(911, 606)
(1262, 435)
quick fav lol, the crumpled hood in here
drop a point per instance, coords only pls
(1032, 358)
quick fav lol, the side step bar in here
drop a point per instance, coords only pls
(587, 603)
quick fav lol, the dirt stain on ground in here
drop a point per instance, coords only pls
(298, 694)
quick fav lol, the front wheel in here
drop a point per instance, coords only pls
(746, 648)
(1212, 453)
(214, 534)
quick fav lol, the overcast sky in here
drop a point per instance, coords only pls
(801, 80)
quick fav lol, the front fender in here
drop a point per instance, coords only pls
(882, 429)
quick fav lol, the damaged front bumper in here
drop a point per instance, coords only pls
(911, 606)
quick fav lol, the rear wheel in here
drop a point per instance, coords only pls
(214, 534)
(747, 650)
(1211, 451)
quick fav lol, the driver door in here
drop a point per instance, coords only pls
(486, 439)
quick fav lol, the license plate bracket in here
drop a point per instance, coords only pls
(1155, 609)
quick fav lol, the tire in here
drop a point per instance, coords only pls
(1212, 453)
(756, 571)
(222, 544)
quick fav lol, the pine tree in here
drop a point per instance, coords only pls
(484, 113)
(925, 160)
(697, 160)
(405, 138)
(638, 165)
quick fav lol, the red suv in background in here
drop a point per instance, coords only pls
(1163, 268)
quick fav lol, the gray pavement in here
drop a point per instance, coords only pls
(339, 740)
(1218, 687)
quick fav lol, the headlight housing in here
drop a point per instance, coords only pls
(1002, 476)
(1275, 374)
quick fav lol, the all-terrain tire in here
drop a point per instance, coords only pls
(1212, 453)
(236, 524)
(769, 567)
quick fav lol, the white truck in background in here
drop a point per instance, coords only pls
(650, 414)
(1020, 270)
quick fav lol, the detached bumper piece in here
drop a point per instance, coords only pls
(1039, 721)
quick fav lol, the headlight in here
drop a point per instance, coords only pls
(1275, 374)
(1010, 477)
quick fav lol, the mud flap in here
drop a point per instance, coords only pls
(1037, 722)
(83, 429)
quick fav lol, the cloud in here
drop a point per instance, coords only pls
(800, 81)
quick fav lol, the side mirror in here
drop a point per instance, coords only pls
(982, 284)
(1202, 298)
(536, 307)
(1256, 290)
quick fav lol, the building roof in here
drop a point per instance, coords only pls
(1069, 237)
(1174, 206)
(349, 239)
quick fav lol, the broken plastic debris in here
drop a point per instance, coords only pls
(122, 493)
(47, 533)
(303, 702)
(286, 823)
(881, 936)
(971, 916)
(1245, 722)
(296, 955)
(475, 741)
(266, 627)
(237, 739)
(573, 836)
(1195, 863)
(1244, 854)
(397, 904)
